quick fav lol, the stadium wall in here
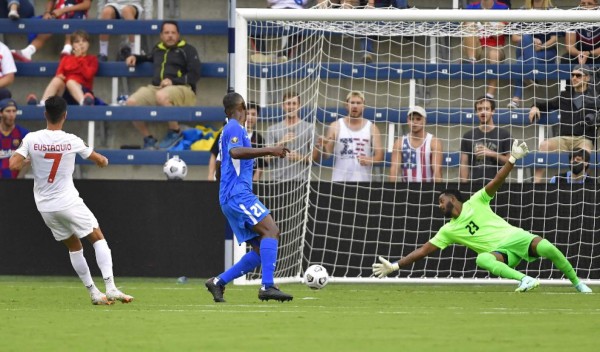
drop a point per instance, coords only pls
(154, 228)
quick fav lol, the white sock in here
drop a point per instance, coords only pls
(104, 260)
(29, 51)
(81, 267)
(103, 47)
(67, 49)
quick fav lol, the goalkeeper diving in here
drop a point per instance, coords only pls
(499, 245)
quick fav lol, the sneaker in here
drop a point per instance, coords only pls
(170, 140)
(150, 142)
(20, 56)
(367, 59)
(100, 299)
(88, 99)
(583, 288)
(513, 104)
(31, 99)
(527, 284)
(215, 289)
(102, 58)
(116, 295)
(13, 15)
(489, 96)
(273, 292)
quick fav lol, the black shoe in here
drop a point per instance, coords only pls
(216, 290)
(273, 293)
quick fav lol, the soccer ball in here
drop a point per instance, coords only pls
(175, 168)
(316, 277)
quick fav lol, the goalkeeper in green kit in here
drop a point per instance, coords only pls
(499, 245)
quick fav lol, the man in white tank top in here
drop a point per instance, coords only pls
(416, 156)
(354, 141)
(52, 153)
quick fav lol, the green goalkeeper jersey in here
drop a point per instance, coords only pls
(477, 227)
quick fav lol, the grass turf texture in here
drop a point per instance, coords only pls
(55, 314)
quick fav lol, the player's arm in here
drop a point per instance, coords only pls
(385, 267)
(436, 159)
(396, 160)
(16, 162)
(517, 152)
(98, 159)
(251, 153)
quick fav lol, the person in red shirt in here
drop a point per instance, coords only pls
(75, 74)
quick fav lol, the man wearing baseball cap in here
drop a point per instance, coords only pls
(10, 137)
(416, 156)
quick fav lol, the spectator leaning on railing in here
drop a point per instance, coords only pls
(176, 71)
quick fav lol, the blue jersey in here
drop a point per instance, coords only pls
(236, 174)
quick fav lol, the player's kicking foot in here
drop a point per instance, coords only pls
(273, 293)
(100, 299)
(215, 289)
(527, 284)
(116, 295)
(583, 288)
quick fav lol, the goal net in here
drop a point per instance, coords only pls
(299, 66)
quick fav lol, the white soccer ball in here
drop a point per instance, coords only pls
(316, 277)
(175, 168)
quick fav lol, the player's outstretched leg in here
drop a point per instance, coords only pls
(104, 260)
(489, 262)
(216, 285)
(547, 250)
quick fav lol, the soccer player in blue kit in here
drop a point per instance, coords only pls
(249, 218)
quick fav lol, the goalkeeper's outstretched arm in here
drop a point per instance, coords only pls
(384, 268)
(518, 151)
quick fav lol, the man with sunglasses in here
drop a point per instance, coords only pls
(575, 130)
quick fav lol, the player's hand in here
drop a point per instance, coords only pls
(518, 151)
(279, 151)
(385, 268)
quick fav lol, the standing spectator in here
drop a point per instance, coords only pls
(256, 140)
(121, 9)
(417, 156)
(578, 108)
(11, 136)
(580, 162)
(354, 142)
(176, 71)
(52, 153)
(537, 49)
(16, 9)
(486, 47)
(58, 10)
(75, 74)
(486, 148)
(583, 45)
(7, 71)
(295, 134)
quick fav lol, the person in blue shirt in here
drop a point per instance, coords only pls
(580, 162)
(249, 218)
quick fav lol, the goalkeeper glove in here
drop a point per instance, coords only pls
(385, 268)
(518, 151)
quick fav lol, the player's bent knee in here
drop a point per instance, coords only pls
(484, 259)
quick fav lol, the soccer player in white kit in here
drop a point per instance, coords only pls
(52, 155)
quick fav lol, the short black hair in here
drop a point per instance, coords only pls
(484, 98)
(253, 105)
(56, 108)
(162, 26)
(582, 153)
(231, 101)
(454, 192)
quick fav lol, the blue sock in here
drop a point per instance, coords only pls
(268, 257)
(248, 263)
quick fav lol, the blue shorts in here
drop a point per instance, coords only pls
(243, 212)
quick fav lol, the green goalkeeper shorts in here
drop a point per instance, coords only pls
(516, 248)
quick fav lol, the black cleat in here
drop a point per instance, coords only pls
(273, 293)
(216, 290)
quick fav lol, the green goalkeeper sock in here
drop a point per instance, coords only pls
(548, 250)
(489, 262)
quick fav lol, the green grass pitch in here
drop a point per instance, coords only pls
(55, 314)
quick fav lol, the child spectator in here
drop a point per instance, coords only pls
(60, 10)
(75, 74)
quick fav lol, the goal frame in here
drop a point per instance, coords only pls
(240, 72)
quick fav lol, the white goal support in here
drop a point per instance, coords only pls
(401, 58)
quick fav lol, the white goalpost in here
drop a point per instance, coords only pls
(401, 58)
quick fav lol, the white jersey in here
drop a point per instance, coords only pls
(349, 145)
(7, 63)
(52, 155)
(416, 162)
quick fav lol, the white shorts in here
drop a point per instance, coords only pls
(77, 220)
(119, 8)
